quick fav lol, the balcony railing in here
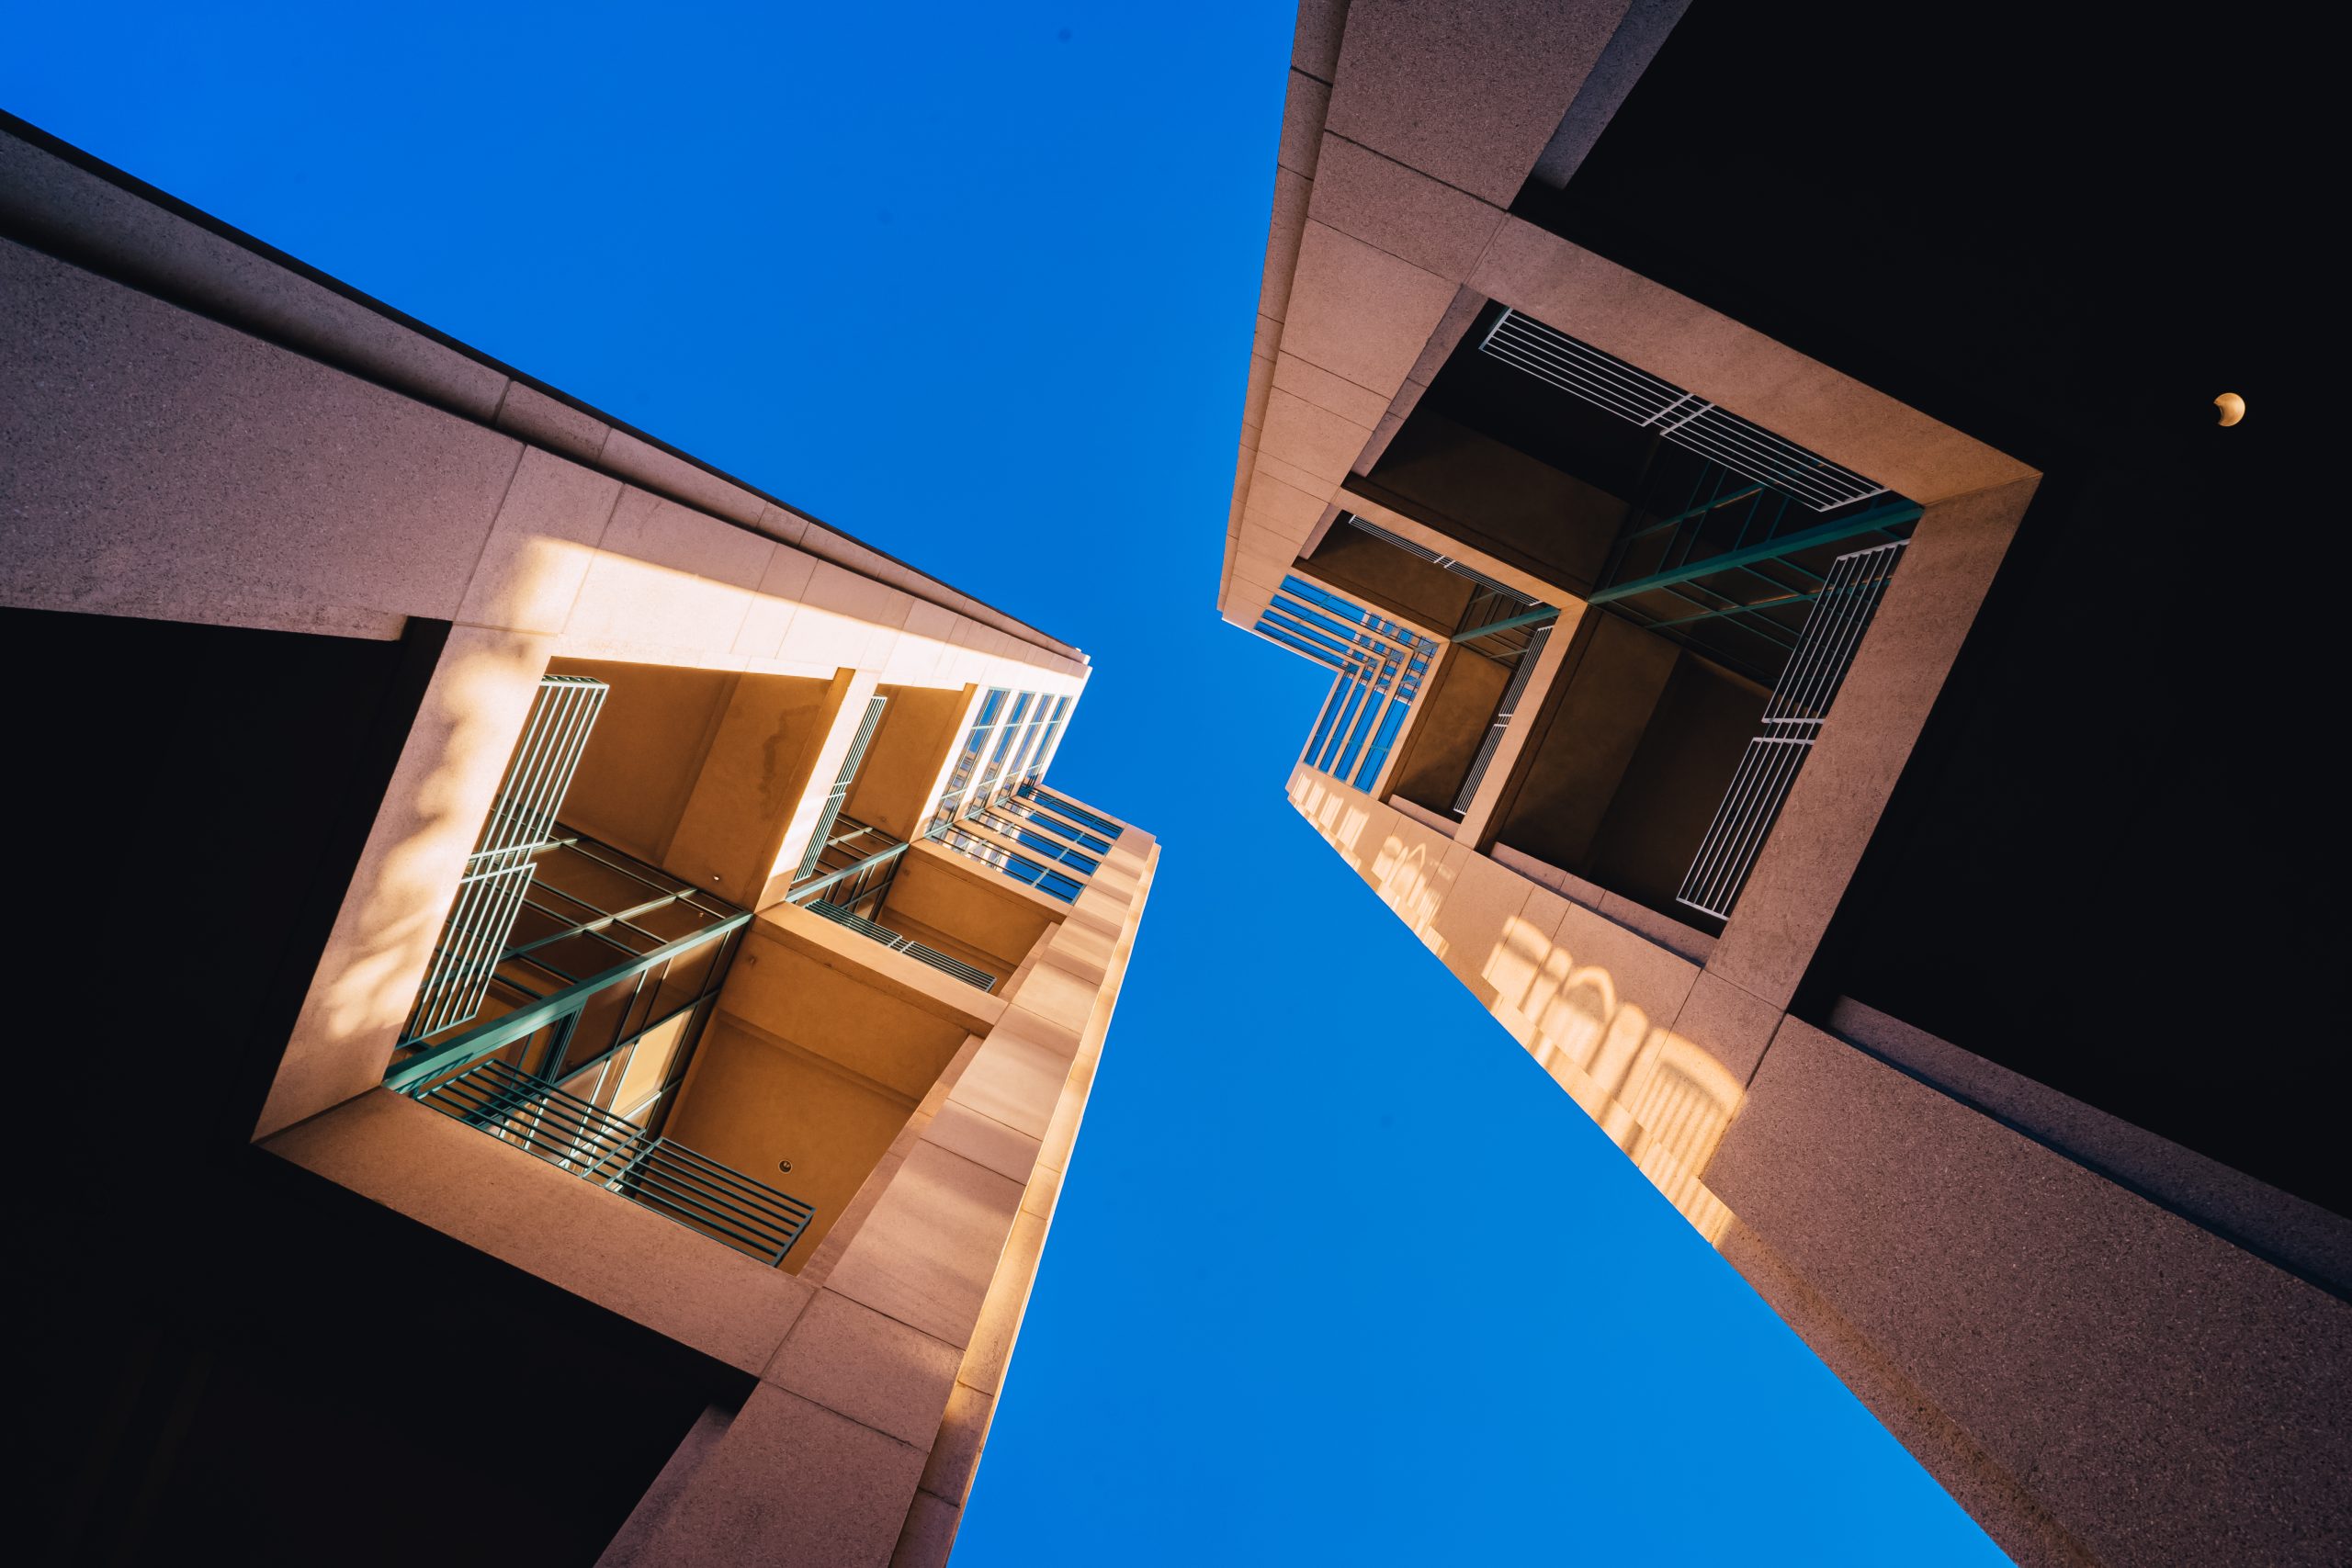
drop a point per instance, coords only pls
(499, 872)
(855, 868)
(853, 865)
(964, 972)
(650, 1171)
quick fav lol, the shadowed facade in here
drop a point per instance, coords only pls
(1727, 508)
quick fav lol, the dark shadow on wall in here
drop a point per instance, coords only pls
(231, 1359)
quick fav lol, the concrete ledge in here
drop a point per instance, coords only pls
(908, 979)
(2290, 1231)
(76, 207)
(2098, 1348)
(522, 1210)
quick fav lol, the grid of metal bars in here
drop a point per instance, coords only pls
(856, 867)
(1793, 719)
(1684, 418)
(1424, 553)
(652, 1171)
(1381, 666)
(867, 723)
(498, 873)
(1729, 566)
(852, 867)
(606, 951)
(969, 974)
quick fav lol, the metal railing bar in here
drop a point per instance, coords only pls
(742, 1202)
(679, 1183)
(476, 1044)
(807, 888)
(1825, 534)
(1539, 614)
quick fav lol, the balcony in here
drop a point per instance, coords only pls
(578, 1043)
(848, 881)
(652, 1171)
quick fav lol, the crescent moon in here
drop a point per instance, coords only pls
(2233, 407)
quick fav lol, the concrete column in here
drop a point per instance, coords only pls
(2056, 1349)
(1585, 737)
(382, 942)
(1479, 819)
(922, 732)
(763, 783)
(973, 696)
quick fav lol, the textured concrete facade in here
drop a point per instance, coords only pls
(204, 440)
(2109, 1348)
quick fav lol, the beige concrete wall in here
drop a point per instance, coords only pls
(1598, 1007)
(947, 891)
(650, 738)
(2136, 1354)
(114, 227)
(1587, 726)
(1494, 497)
(1376, 574)
(382, 940)
(760, 1103)
(1675, 781)
(306, 499)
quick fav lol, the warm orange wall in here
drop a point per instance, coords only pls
(648, 746)
(981, 908)
(919, 727)
(755, 1101)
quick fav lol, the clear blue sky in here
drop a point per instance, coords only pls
(1340, 1276)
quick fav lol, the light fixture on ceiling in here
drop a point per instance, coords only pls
(2233, 407)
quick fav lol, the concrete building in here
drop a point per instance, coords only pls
(1756, 476)
(601, 987)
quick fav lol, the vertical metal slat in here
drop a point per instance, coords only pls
(1793, 718)
(498, 873)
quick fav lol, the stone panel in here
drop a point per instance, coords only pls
(2092, 1343)
(1360, 313)
(1469, 96)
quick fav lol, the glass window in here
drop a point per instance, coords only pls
(1030, 811)
(1037, 765)
(647, 1069)
(968, 761)
(1052, 849)
(1020, 868)
(1075, 812)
